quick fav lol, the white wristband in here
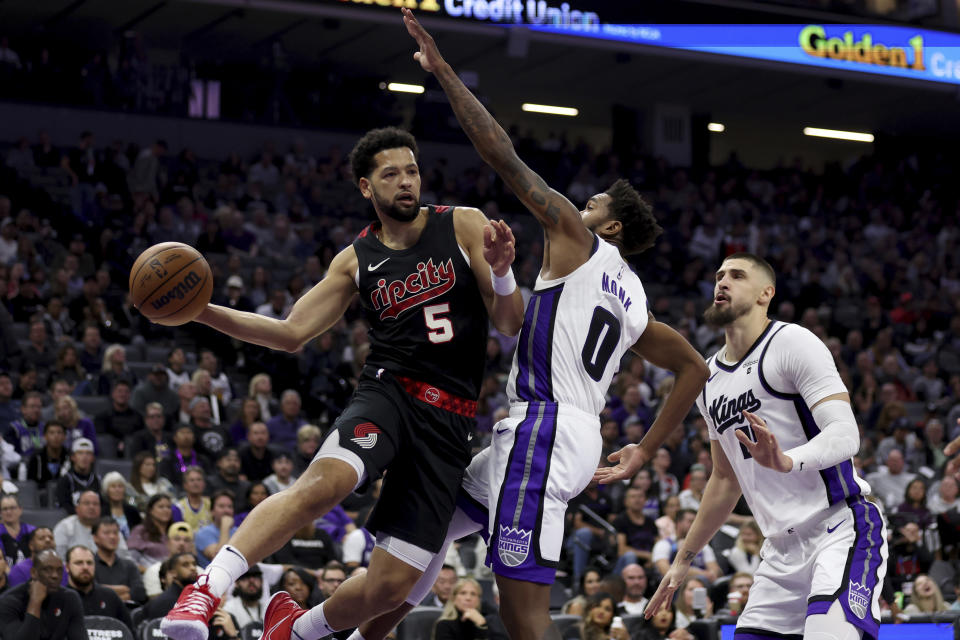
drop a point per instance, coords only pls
(503, 285)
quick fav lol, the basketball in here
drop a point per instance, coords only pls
(171, 283)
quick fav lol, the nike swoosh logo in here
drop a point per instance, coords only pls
(374, 267)
(503, 430)
(713, 376)
(834, 527)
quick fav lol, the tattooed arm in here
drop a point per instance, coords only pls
(559, 217)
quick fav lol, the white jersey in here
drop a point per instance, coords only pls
(786, 371)
(575, 328)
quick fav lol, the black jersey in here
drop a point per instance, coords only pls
(427, 317)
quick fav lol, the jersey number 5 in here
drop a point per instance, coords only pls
(440, 328)
(602, 339)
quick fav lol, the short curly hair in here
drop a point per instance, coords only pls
(372, 143)
(640, 228)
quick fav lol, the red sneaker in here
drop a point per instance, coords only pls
(279, 617)
(190, 617)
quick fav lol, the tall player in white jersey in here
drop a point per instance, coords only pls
(783, 433)
(587, 310)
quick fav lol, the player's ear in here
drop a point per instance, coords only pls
(365, 190)
(766, 294)
(611, 228)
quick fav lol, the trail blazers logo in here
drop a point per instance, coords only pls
(426, 283)
(365, 435)
(728, 412)
(859, 599)
(513, 545)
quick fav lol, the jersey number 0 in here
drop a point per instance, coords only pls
(602, 338)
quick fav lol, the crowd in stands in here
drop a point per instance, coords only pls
(202, 428)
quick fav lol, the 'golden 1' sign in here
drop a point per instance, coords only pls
(814, 42)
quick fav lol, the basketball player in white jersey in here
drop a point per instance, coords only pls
(587, 310)
(783, 433)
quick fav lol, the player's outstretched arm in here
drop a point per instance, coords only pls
(557, 214)
(665, 348)
(719, 498)
(315, 312)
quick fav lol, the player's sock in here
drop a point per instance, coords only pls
(356, 635)
(313, 624)
(228, 565)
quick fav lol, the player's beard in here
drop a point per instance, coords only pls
(400, 213)
(718, 318)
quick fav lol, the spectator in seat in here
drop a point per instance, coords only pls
(9, 408)
(461, 618)
(154, 438)
(204, 385)
(117, 504)
(14, 534)
(96, 599)
(146, 481)
(114, 369)
(308, 441)
(668, 483)
(219, 382)
(890, 482)
(79, 477)
(442, 588)
(183, 571)
(49, 462)
(227, 477)
(311, 548)
(69, 369)
(211, 438)
(300, 585)
(943, 497)
(26, 432)
(186, 392)
(909, 557)
(39, 351)
(261, 390)
(257, 492)
(211, 538)
(590, 583)
(58, 389)
(685, 611)
(246, 603)
(690, 498)
(282, 476)
(120, 420)
(635, 585)
(195, 505)
(256, 458)
(183, 456)
(78, 528)
(914, 505)
(636, 534)
(662, 626)
(39, 609)
(249, 413)
(176, 369)
(113, 572)
(66, 412)
(926, 597)
(738, 591)
(179, 540)
(283, 427)
(745, 555)
(92, 353)
(155, 388)
(148, 540)
(597, 618)
(40, 539)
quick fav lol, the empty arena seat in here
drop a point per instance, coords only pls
(564, 621)
(106, 466)
(418, 625)
(93, 405)
(106, 628)
(43, 517)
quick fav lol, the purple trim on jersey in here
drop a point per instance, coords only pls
(839, 478)
(819, 607)
(515, 539)
(596, 245)
(862, 575)
(534, 349)
(476, 512)
(763, 380)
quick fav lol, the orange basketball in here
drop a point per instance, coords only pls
(171, 283)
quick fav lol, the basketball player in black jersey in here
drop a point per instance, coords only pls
(430, 279)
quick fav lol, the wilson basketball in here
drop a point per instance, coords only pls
(171, 283)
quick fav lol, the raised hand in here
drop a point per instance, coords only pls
(766, 450)
(429, 56)
(629, 460)
(499, 246)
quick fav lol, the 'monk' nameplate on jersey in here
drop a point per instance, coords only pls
(576, 329)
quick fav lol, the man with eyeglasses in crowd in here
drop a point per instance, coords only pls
(332, 576)
(154, 437)
(13, 533)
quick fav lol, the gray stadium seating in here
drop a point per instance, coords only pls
(418, 625)
(104, 627)
(106, 466)
(43, 517)
(564, 621)
(93, 405)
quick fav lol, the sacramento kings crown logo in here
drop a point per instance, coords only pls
(859, 599)
(513, 545)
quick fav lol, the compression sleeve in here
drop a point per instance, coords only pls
(838, 440)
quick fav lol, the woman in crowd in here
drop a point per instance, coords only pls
(261, 390)
(914, 505)
(115, 503)
(300, 585)
(685, 611)
(148, 540)
(667, 523)
(597, 618)
(461, 618)
(651, 505)
(68, 366)
(282, 476)
(114, 368)
(146, 481)
(256, 493)
(590, 583)
(249, 413)
(745, 554)
(926, 597)
(661, 626)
